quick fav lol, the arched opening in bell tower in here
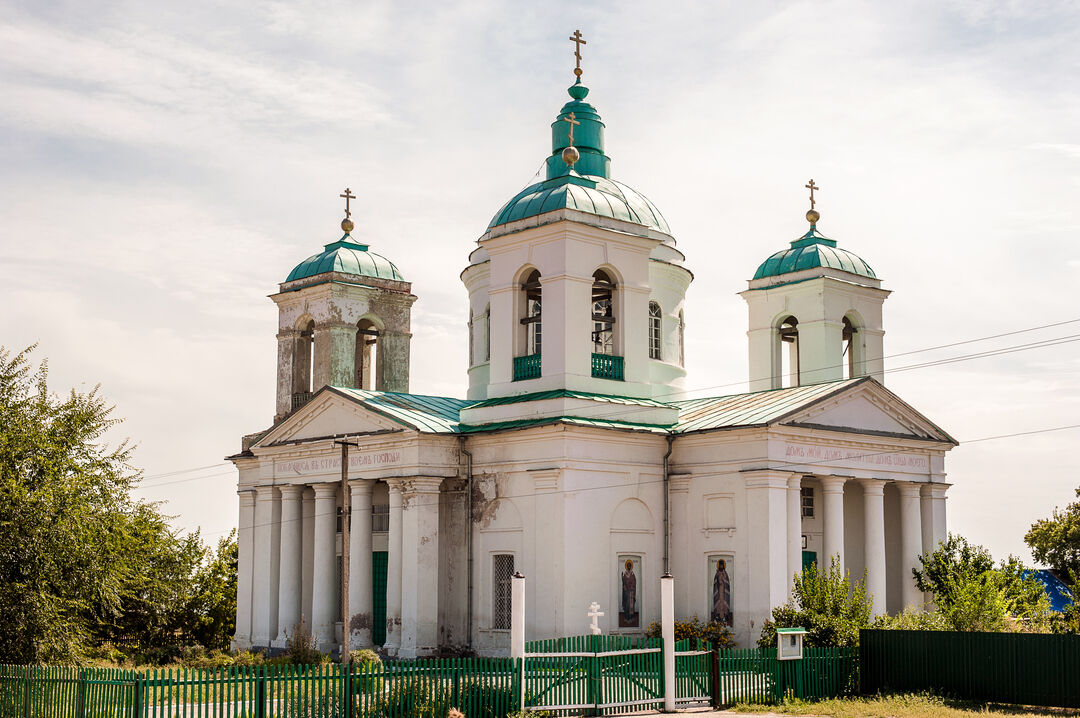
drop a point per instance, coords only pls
(303, 362)
(368, 348)
(531, 291)
(603, 313)
(788, 335)
(848, 340)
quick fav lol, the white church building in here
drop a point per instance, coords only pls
(576, 458)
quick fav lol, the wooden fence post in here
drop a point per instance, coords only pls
(260, 693)
(26, 693)
(80, 695)
(716, 692)
(136, 699)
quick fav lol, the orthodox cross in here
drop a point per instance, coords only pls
(348, 195)
(811, 187)
(595, 613)
(571, 122)
(578, 42)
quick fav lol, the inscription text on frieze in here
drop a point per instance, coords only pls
(852, 456)
(333, 463)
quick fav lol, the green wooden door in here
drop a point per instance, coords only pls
(809, 558)
(378, 597)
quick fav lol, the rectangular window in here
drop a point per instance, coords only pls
(807, 494)
(502, 572)
(380, 518)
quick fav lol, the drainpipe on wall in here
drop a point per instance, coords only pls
(468, 544)
(667, 507)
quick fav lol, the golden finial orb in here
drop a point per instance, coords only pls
(570, 155)
(812, 216)
(347, 225)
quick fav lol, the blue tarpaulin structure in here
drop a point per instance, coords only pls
(1056, 590)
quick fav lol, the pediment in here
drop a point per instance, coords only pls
(329, 413)
(867, 408)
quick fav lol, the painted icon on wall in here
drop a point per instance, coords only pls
(629, 593)
(720, 607)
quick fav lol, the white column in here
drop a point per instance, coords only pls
(517, 631)
(420, 567)
(794, 529)
(261, 585)
(291, 561)
(939, 531)
(832, 499)
(393, 570)
(360, 596)
(874, 523)
(307, 565)
(766, 501)
(245, 541)
(911, 541)
(324, 574)
(667, 633)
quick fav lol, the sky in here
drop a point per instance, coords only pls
(164, 166)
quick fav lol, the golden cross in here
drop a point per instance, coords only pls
(811, 187)
(348, 195)
(578, 42)
(571, 122)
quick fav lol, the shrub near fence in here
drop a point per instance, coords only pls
(483, 687)
(1032, 669)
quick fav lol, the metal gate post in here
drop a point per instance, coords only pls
(136, 700)
(716, 697)
(80, 695)
(260, 693)
(26, 694)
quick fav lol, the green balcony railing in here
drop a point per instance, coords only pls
(607, 366)
(527, 367)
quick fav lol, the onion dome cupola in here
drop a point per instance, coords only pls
(346, 256)
(578, 174)
(813, 250)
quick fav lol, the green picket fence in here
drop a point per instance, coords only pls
(756, 676)
(1031, 669)
(482, 687)
(693, 673)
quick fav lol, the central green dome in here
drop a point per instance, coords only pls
(347, 257)
(587, 186)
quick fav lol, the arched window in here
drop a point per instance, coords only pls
(367, 355)
(532, 291)
(789, 360)
(487, 334)
(603, 313)
(850, 368)
(656, 331)
(682, 339)
(303, 364)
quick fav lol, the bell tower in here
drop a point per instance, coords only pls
(815, 314)
(343, 320)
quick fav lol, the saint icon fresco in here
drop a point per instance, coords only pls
(629, 613)
(721, 593)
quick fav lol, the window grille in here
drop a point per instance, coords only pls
(380, 518)
(807, 496)
(502, 573)
(655, 330)
(487, 333)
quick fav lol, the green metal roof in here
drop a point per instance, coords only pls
(754, 409)
(588, 186)
(566, 393)
(813, 250)
(430, 414)
(348, 257)
(576, 420)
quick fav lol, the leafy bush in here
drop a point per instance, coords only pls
(713, 632)
(301, 648)
(407, 699)
(482, 700)
(828, 604)
(911, 619)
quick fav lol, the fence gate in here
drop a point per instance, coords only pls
(600, 675)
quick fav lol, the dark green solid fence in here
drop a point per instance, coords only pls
(754, 675)
(1032, 669)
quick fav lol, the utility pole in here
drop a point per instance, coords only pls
(346, 516)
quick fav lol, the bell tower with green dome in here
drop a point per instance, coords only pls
(576, 285)
(344, 321)
(815, 314)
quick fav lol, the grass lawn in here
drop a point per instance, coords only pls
(919, 705)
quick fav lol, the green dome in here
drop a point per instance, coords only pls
(813, 250)
(587, 187)
(347, 257)
(592, 194)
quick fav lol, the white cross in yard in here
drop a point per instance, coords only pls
(595, 613)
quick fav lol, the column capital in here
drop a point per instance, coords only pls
(934, 491)
(290, 491)
(264, 491)
(873, 487)
(360, 487)
(909, 489)
(421, 485)
(247, 497)
(832, 484)
(324, 490)
(288, 333)
(795, 481)
(679, 483)
(766, 478)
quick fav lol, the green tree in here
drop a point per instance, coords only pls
(829, 604)
(1055, 542)
(211, 609)
(974, 594)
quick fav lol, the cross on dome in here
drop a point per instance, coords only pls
(347, 223)
(811, 187)
(578, 41)
(812, 216)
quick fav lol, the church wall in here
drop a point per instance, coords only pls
(854, 530)
(668, 284)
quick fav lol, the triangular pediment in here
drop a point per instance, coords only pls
(329, 413)
(866, 408)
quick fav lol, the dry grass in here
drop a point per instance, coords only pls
(921, 705)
